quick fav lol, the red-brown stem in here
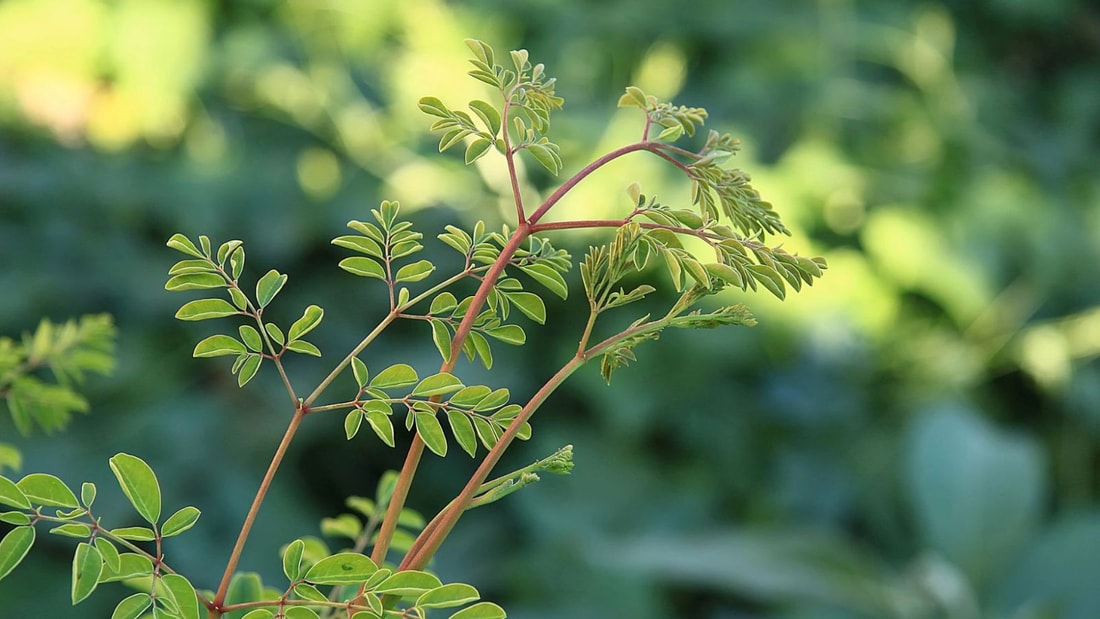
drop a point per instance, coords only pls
(250, 519)
(560, 192)
(416, 449)
(432, 537)
(510, 157)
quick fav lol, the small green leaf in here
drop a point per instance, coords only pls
(239, 300)
(509, 334)
(139, 484)
(194, 281)
(87, 493)
(463, 430)
(361, 244)
(399, 375)
(352, 422)
(13, 547)
(341, 569)
(359, 369)
(180, 521)
(205, 309)
(275, 333)
(87, 566)
(441, 337)
(183, 594)
(251, 338)
(16, 518)
(308, 322)
(45, 489)
(488, 432)
(259, 613)
(248, 369)
(476, 149)
(437, 384)
(269, 286)
(133, 606)
(109, 553)
(770, 278)
(549, 277)
(433, 106)
(304, 347)
(469, 396)
(300, 612)
(344, 525)
(530, 304)
(481, 610)
(431, 432)
(292, 560)
(382, 426)
(181, 243)
(363, 267)
(137, 534)
(10, 494)
(481, 346)
(414, 272)
(307, 591)
(448, 596)
(488, 114)
(408, 583)
(219, 346)
(130, 565)
(72, 529)
(191, 266)
(236, 263)
(546, 157)
(496, 399)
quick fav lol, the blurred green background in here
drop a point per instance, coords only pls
(914, 437)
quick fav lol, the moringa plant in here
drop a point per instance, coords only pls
(383, 566)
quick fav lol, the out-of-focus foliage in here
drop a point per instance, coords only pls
(916, 436)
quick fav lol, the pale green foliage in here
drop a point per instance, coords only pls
(327, 583)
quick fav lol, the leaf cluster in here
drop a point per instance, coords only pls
(211, 270)
(69, 350)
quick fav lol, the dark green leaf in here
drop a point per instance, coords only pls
(476, 149)
(205, 309)
(251, 338)
(139, 484)
(13, 547)
(437, 384)
(181, 592)
(45, 489)
(72, 529)
(133, 606)
(304, 347)
(292, 560)
(408, 583)
(363, 267)
(441, 337)
(530, 304)
(177, 523)
(308, 322)
(248, 369)
(509, 334)
(341, 569)
(550, 278)
(87, 566)
(352, 422)
(399, 375)
(195, 281)
(414, 272)
(181, 243)
(10, 494)
(481, 610)
(431, 432)
(361, 244)
(382, 426)
(269, 286)
(463, 430)
(448, 596)
(218, 346)
(107, 550)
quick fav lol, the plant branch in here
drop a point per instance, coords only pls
(250, 519)
(560, 192)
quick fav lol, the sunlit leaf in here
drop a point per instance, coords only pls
(414, 272)
(269, 286)
(218, 346)
(311, 317)
(181, 243)
(205, 309)
(194, 281)
(139, 484)
(398, 375)
(437, 384)
(363, 267)
(45, 489)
